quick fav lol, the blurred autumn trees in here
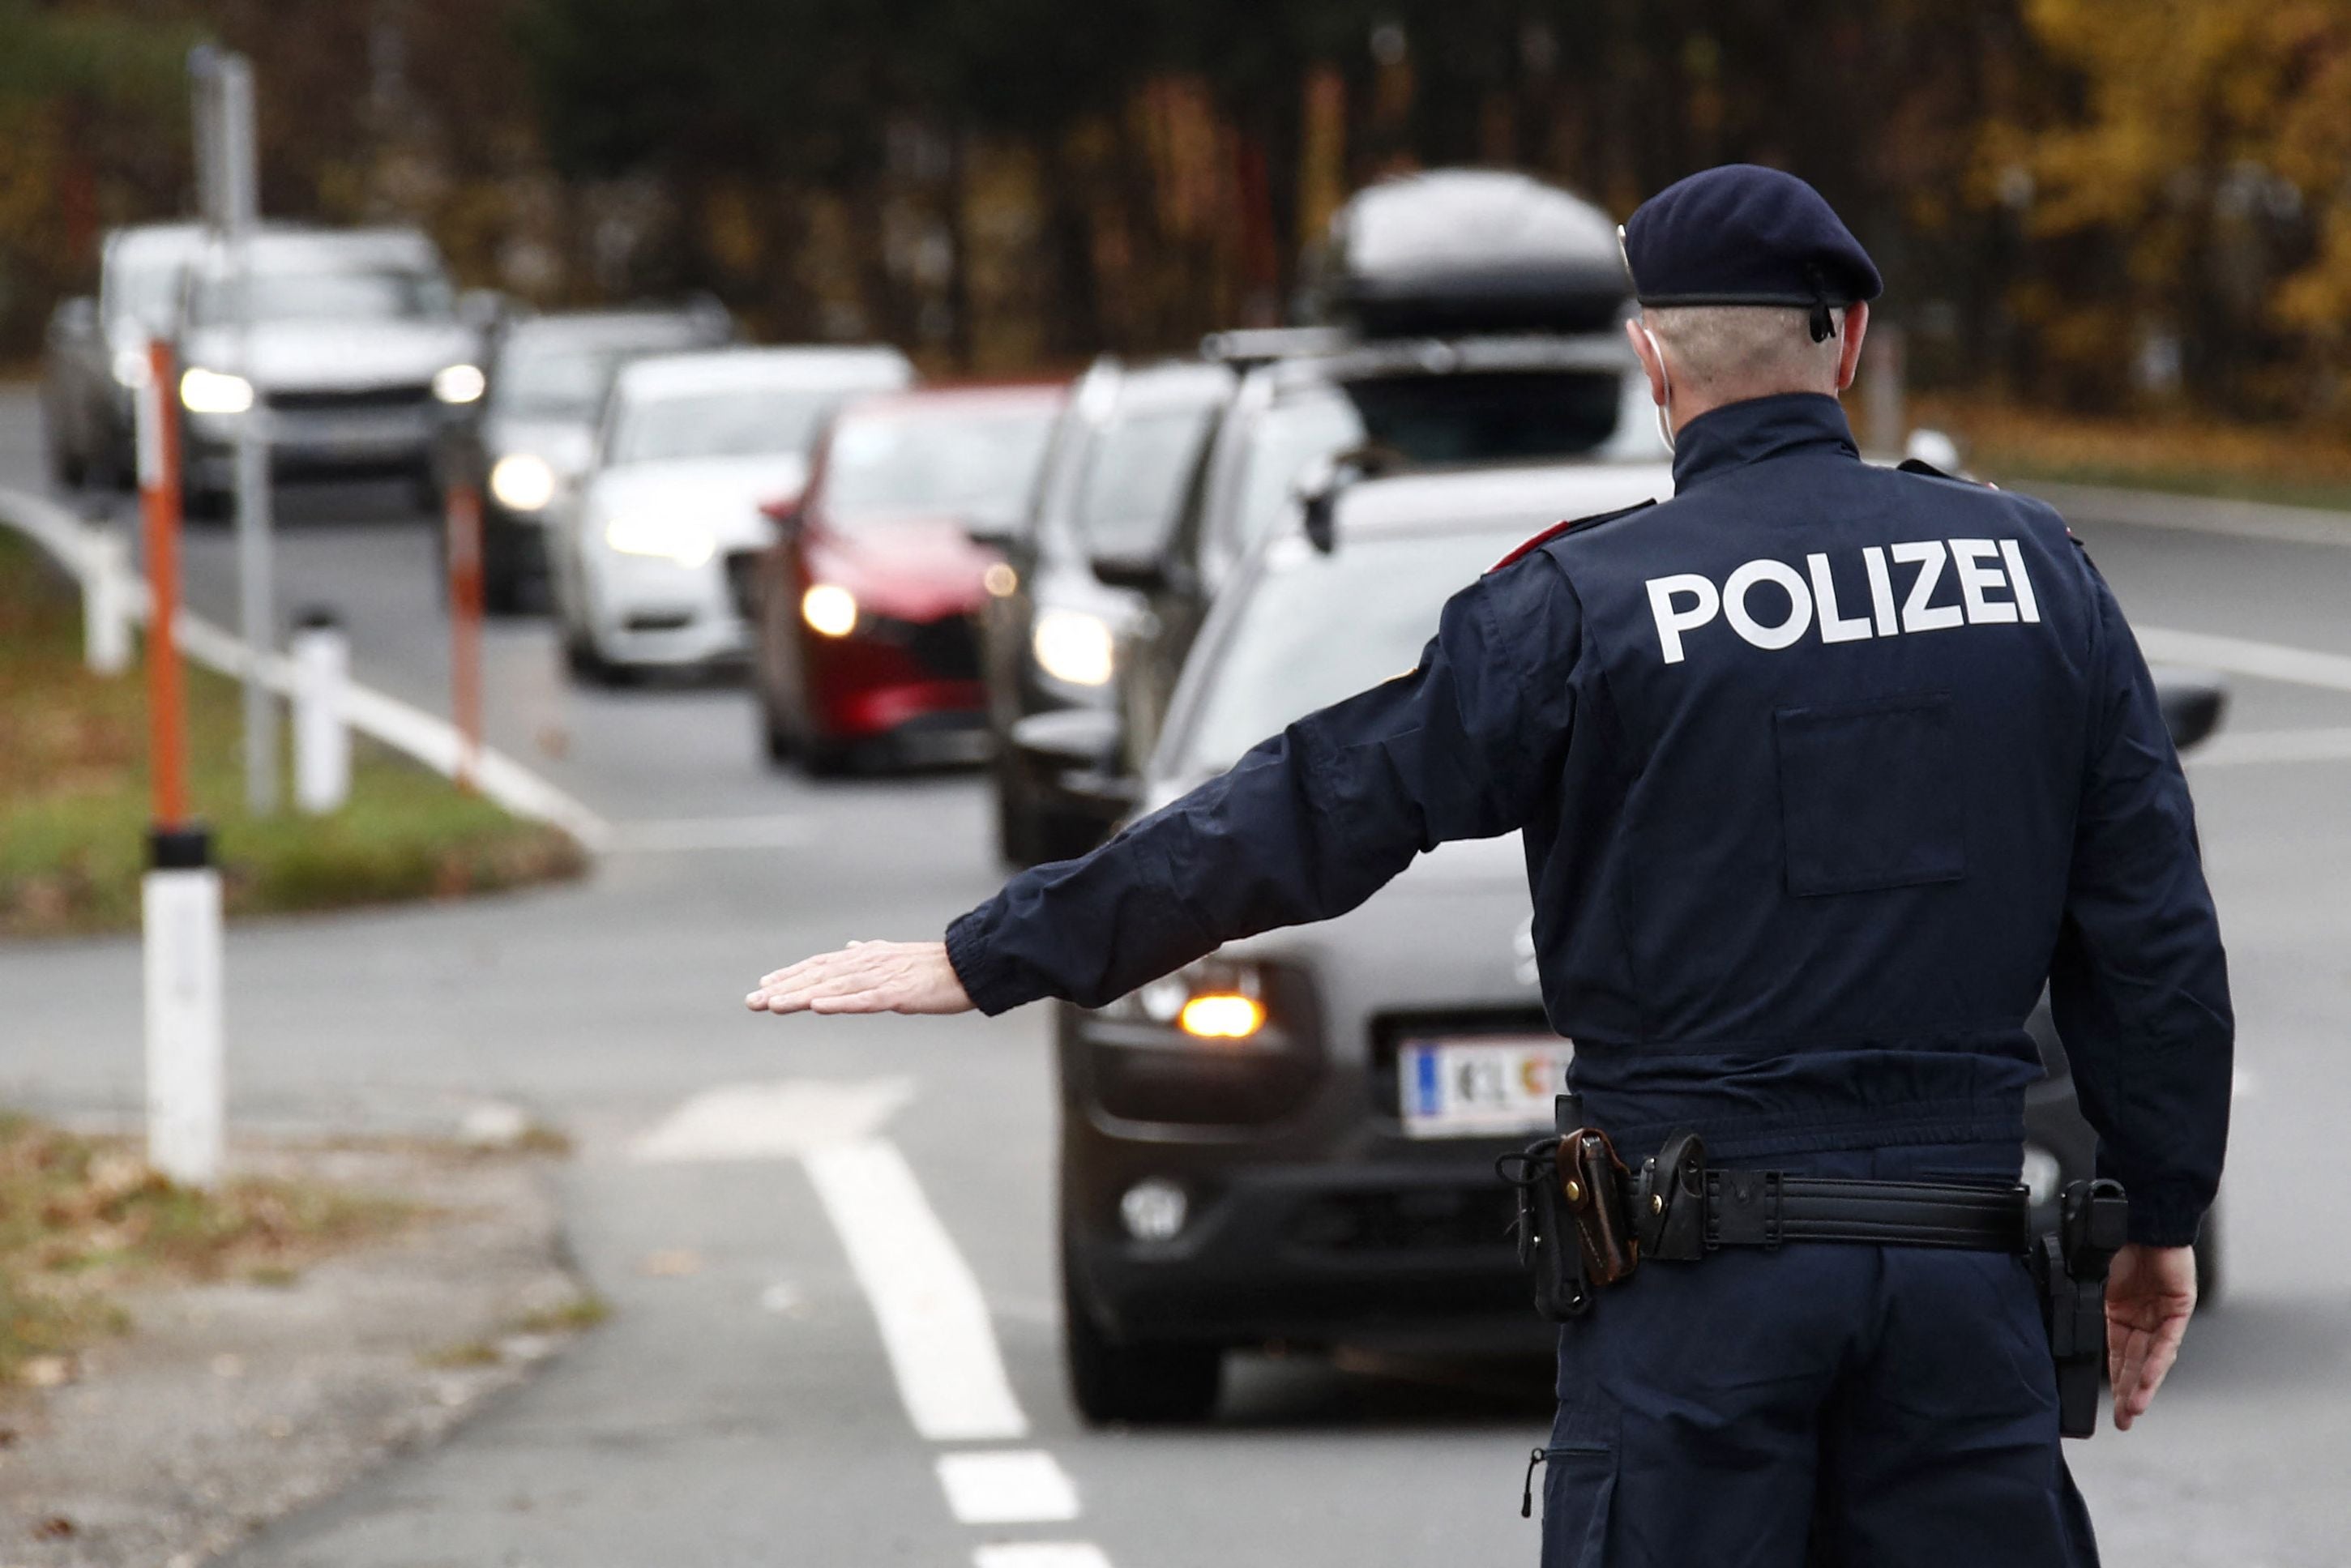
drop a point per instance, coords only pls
(2100, 203)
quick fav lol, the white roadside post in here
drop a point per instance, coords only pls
(186, 1055)
(321, 656)
(105, 603)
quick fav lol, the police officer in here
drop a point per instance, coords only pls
(1823, 770)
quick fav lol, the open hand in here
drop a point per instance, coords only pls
(866, 977)
(2151, 1293)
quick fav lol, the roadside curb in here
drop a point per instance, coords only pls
(425, 737)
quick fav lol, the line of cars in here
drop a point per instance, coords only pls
(1109, 590)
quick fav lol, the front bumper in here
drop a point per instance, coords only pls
(908, 679)
(1396, 1252)
(1310, 1216)
(357, 437)
(652, 611)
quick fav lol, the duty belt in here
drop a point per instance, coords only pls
(1674, 1210)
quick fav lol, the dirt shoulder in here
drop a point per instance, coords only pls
(226, 1404)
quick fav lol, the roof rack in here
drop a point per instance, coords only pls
(1243, 347)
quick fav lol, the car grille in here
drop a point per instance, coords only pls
(947, 649)
(743, 583)
(350, 401)
(1413, 1219)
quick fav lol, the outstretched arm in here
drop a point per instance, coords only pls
(1305, 827)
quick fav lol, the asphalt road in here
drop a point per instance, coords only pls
(746, 1403)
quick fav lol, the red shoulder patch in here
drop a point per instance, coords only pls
(1569, 526)
(1534, 544)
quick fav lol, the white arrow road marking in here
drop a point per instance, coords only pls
(933, 1319)
(1018, 1487)
(1040, 1555)
(773, 1121)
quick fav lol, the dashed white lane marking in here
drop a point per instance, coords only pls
(1019, 1487)
(773, 1121)
(1040, 1555)
(2243, 656)
(2254, 748)
(688, 834)
(933, 1319)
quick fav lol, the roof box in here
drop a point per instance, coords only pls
(1455, 251)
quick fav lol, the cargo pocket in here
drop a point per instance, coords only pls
(1579, 1487)
(1869, 795)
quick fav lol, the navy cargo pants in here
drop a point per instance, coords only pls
(1825, 1405)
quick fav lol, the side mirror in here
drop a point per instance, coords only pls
(784, 511)
(2192, 705)
(992, 533)
(1082, 750)
(1143, 573)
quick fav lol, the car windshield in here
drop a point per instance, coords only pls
(327, 294)
(1487, 417)
(1135, 477)
(739, 421)
(978, 466)
(1316, 628)
(555, 380)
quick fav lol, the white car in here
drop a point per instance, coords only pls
(653, 563)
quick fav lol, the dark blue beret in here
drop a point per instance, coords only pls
(1741, 234)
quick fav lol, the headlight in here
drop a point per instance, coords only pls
(1074, 647)
(522, 482)
(459, 383)
(130, 368)
(1214, 1000)
(830, 610)
(1221, 1015)
(212, 391)
(663, 539)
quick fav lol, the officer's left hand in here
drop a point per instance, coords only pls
(2150, 1295)
(866, 977)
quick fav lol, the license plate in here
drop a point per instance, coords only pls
(1461, 1088)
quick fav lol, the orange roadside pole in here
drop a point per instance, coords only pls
(159, 495)
(462, 516)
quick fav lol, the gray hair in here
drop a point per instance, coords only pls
(1744, 351)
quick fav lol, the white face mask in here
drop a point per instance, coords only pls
(1665, 425)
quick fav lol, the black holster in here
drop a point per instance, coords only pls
(2093, 1219)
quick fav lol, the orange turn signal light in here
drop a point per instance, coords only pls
(1221, 1015)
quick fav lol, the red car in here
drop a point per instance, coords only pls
(866, 608)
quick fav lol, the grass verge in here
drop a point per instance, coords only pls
(2169, 453)
(82, 1218)
(74, 795)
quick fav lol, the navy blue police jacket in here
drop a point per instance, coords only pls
(1823, 770)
